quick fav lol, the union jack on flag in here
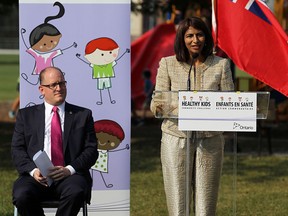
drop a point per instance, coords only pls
(248, 32)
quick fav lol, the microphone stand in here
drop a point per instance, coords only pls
(194, 57)
(189, 135)
(189, 79)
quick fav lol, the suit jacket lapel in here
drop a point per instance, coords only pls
(69, 116)
(41, 125)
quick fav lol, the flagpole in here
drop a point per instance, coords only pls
(214, 21)
(234, 187)
(215, 27)
(187, 176)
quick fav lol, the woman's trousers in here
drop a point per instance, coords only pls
(206, 158)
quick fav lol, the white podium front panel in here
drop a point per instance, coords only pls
(217, 111)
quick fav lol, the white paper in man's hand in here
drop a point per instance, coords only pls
(44, 163)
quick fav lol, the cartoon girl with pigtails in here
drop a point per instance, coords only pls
(109, 134)
(43, 39)
(102, 54)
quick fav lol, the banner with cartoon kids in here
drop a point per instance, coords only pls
(89, 40)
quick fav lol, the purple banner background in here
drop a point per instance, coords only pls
(82, 23)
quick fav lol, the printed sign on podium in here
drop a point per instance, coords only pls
(217, 111)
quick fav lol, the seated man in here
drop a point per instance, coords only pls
(41, 127)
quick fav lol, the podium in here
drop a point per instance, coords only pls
(212, 111)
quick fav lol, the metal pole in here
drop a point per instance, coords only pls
(234, 173)
(187, 174)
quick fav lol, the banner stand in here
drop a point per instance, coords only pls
(89, 40)
(167, 106)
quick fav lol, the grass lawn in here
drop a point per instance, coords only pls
(260, 189)
(7, 172)
(9, 72)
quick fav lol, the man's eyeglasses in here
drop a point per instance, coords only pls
(53, 86)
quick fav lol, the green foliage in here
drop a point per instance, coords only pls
(7, 5)
(154, 6)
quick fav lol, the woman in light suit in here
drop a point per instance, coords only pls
(193, 46)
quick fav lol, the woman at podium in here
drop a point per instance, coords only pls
(193, 67)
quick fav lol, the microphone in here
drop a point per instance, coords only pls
(194, 57)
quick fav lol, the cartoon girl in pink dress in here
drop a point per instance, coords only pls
(43, 39)
(110, 135)
(102, 54)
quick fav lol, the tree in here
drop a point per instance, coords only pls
(152, 7)
(7, 5)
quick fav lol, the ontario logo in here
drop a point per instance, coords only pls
(237, 126)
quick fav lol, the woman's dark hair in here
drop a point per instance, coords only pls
(45, 28)
(182, 53)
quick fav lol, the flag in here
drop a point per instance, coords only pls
(248, 32)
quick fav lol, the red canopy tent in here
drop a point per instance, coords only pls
(146, 52)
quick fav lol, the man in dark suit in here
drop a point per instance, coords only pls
(71, 178)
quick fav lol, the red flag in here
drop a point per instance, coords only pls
(252, 37)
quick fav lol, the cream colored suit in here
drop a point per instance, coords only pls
(206, 150)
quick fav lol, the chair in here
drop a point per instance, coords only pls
(54, 204)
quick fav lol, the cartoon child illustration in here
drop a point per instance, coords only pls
(109, 134)
(43, 39)
(102, 54)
